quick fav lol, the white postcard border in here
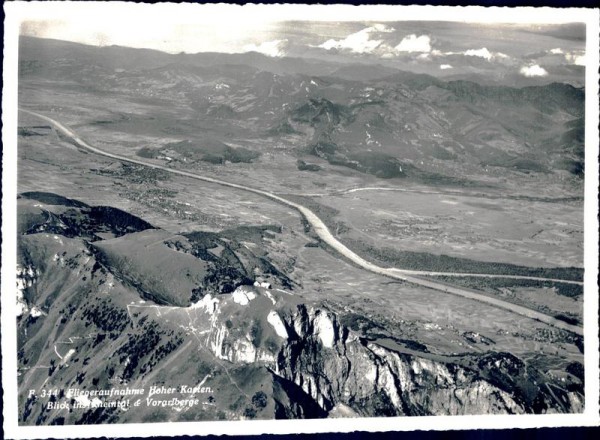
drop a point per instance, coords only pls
(15, 12)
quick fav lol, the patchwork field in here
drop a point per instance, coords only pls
(489, 227)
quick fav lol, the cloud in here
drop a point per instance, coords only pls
(383, 28)
(575, 58)
(533, 70)
(445, 66)
(556, 51)
(481, 53)
(412, 43)
(271, 48)
(359, 42)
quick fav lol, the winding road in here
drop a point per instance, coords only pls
(325, 235)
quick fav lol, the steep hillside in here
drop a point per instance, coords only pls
(218, 332)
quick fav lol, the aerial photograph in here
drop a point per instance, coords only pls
(298, 219)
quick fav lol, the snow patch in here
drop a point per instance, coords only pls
(275, 320)
(242, 296)
(35, 312)
(262, 284)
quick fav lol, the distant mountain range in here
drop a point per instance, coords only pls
(369, 118)
(31, 48)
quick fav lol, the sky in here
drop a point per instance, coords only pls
(529, 45)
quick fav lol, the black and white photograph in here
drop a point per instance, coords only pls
(362, 216)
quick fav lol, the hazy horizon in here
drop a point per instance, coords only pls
(545, 51)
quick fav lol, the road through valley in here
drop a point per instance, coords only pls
(321, 230)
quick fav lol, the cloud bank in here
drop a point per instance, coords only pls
(575, 58)
(359, 42)
(481, 53)
(533, 70)
(412, 43)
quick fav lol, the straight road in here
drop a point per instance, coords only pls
(325, 235)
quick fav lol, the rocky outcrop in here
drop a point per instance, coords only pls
(26, 277)
(335, 367)
(338, 369)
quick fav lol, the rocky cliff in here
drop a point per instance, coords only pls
(339, 369)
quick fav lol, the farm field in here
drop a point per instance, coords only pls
(492, 228)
